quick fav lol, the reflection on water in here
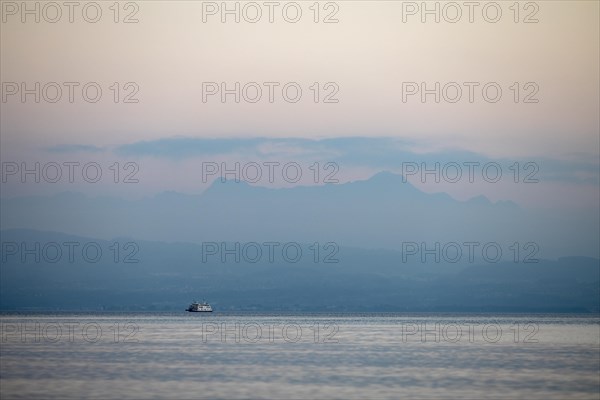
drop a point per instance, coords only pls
(182, 355)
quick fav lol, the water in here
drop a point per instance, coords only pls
(345, 356)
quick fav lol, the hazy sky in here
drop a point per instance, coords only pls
(369, 53)
(366, 61)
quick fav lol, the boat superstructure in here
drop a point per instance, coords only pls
(199, 307)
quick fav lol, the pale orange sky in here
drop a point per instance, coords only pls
(369, 53)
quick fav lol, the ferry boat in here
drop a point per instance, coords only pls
(199, 307)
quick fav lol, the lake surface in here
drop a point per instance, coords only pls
(298, 356)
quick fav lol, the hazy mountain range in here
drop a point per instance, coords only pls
(175, 241)
(169, 276)
(382, 212)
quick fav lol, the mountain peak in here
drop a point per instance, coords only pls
(480, 200)
(387, 176)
